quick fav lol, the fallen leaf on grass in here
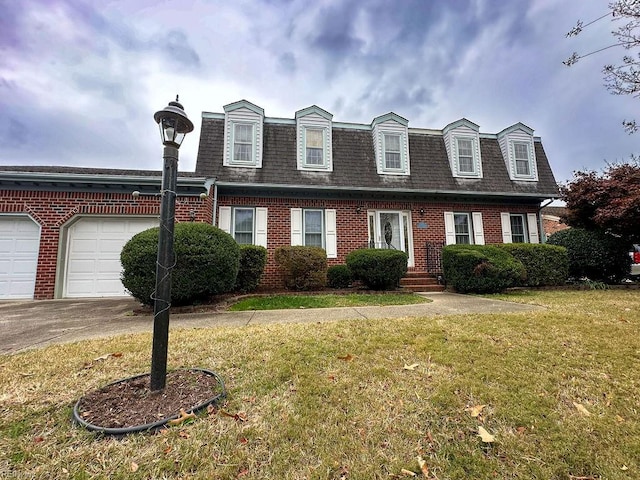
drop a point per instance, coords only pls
(184, 416)
(423, 467)
(183, 434)
(475, 411)
(134, 467)
(581, 409)
(38, 439)
(624, 467)
(347, 358)
(107, 355)
(211, 410)
(411, 367)
(240, 416)
(485, 436)
(242, 473)
(408, 473)
(619, 419)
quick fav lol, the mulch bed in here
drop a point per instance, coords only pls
(130, 403)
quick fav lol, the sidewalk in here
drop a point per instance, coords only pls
(34, 324)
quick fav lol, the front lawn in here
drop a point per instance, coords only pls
(557, 389)
(278, 302)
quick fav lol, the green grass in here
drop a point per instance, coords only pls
(333, 400)
(278, 302)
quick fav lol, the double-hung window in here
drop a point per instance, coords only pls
(314, 147)
(521, 156)
(392, 157)
(465, 155)
(462, 226)
(313, 228)
(518, 228)
(243, 225)
(243, 143)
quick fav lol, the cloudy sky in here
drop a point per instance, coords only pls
(80, 80)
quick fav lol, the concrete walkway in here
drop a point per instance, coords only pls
(33, 324)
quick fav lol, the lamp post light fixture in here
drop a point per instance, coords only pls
(174, 125)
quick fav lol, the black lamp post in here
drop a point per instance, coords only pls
(174, 125)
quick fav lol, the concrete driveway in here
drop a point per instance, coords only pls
(33, 324)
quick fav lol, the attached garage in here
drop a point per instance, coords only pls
(19, 245)
(92, 266)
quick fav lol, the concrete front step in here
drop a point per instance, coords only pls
(421, 282)
(424, 288)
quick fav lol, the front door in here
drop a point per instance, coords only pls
(391, 230)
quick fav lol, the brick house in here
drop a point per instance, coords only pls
(306, 180)
(552, 220)
(311, 181)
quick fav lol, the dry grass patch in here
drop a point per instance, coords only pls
(358, 399)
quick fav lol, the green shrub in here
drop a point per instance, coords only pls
(378, 269)
(303, 268)
(339, 276)
(206, 263)
(594, 254)
(253, 259)
(545, 264)
(481, 268)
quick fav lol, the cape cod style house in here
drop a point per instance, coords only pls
(305, 180)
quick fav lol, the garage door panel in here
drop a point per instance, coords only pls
(19, 245)
(93, 255)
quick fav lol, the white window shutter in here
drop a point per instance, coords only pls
(478, 231)
(224, 219)
(449, 228)
(261, 227)
(532, 223)
(331, 237)
(505, 218)
(296, 226)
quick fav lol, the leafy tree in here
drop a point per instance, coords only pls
(607, 201)
(624, 78)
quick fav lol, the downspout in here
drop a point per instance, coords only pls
(543, 235)
(212, 181)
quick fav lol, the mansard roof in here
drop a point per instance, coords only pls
(354, 166)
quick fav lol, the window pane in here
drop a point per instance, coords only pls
(392, 160)
(243, 225)
(313, 228)
(243, 133)
(314, 156)
(314, 138)
(521, 153)
(465, 155)
(242, 153)
(392, 143)
(462, 228)
(517, 229)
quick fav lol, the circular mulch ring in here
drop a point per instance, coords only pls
(129, 406)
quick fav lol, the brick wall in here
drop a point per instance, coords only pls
(352, 227)
(552, 225)
(53, 211)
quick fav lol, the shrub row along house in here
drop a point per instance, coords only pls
(275, 182)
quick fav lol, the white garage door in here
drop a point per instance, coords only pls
(93, 254)
(19, 244)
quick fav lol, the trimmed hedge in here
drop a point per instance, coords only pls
(302, 268)
(481, 268)
(545, 264)
(594, 254)
(253, 259)
(339, 276)
(378, 269)
(206, 263)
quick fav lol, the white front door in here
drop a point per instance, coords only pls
(391, 230)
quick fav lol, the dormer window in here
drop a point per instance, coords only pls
(521, 155)
(243, 135)
(517, 146)
(462, 141)
(242, 143)
(314, 147)
(392, 156)
(313, 127)
(391, 144)
(465, 155)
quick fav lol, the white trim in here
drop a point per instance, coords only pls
(296, 226)
(224, 219)
(532, 224)
(260, 237)
(331, 237)
(505, 220)
(478, 231)
(449, 228)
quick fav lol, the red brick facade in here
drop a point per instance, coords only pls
(53, 211)
(352, 226)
